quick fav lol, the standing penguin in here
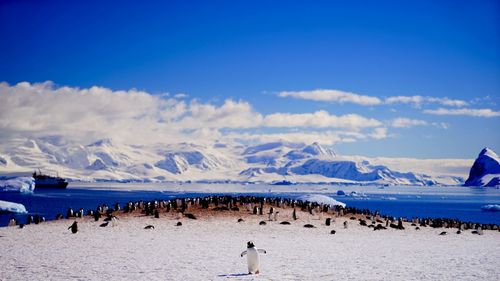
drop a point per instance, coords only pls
(253, 258)
(74, 227)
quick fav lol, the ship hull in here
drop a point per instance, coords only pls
(51, 185)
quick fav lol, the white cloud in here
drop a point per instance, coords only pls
(307, 137)
(319, 119)
(334, 96)
(181, 95)
(417, 101)
(338, 96)
(485, 112)
(137, 117)
(407, 122)
(379, 133)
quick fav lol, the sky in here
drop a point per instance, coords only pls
(375, 78)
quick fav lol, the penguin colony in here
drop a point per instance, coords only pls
(187, 207)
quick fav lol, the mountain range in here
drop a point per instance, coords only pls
(107, 160)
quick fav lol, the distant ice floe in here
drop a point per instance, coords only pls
(11, 207)
(21, 184)
(321, 199)
(491, 208)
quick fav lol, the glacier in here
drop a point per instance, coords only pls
(20, 184)
(111, 160)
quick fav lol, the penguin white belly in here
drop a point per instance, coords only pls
(253, 260)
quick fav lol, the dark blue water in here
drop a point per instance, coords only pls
(466, 207)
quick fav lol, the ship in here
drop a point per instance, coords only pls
(47, 181)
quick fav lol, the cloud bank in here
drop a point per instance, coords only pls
(485, 112)
(137, 117)
(334, 96)
(338, 96)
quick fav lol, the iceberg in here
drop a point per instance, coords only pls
(321, 199)
(11, 207)
(486, 170)
(491, 208)
(21, 184)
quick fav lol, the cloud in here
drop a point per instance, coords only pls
(181, 96)
(334, 96)
(407, 123)
(417, 101)
(307, 137)
(379, 133)
(485, 112)
(319, 119)
(338, 96)
(87, 114)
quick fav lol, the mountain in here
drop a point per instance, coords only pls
(486, 170)
(108, 160)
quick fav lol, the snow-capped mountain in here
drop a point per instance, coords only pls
(220, 162)
(486, 170)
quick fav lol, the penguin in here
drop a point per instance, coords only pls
(328, 221)
(190, 216)
(241, 220)
(253, 259)
(276, 215)
(271, 212)
(294, 215)
(104, 224)
(149, 227)
(70, 213)
(114, 221)
(346, 224)
(74, 227)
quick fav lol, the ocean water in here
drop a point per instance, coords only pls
(450, 202)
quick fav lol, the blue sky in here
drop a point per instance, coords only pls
(252, 51)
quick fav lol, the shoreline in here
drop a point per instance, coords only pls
(208, 248)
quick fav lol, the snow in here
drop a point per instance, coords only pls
(321, 199)
(11, 207)
(21, 184)
(486, 170)
(209, 249)
(491, 208)
(268, 162)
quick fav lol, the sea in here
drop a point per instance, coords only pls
(462, 203)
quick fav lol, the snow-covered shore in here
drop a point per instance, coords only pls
(208, 249)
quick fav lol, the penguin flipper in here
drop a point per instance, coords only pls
(262, 251)
(243, 253)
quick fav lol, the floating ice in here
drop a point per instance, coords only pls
(21, 184)
(491, 208)
(11, 207)
(321, 199)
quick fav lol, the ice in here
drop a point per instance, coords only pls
(486, 170)
(11, 207)
(21, 184)
(321, 199)
(491, 208)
